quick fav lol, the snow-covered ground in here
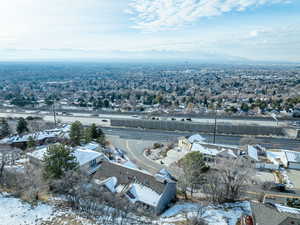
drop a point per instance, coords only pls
(13, 211)
(227, 214)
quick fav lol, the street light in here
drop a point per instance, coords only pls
(215, 127)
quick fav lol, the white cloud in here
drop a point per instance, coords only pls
(156, 15)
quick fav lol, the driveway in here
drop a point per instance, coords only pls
(134, 150)
(294, 176)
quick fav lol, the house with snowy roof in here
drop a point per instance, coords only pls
(209, 154)
(89, 161)
(40, 138)
(291, 160)
(187, 143)
(148, 192)
(275, 214)
(252, 153)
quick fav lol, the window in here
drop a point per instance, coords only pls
(93, 163)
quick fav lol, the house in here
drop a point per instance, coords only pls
(40, 138)
(187, 143)
(209, 154)
(276, 157)
(196, 138)
(251, 154)
(148, 192)
(292, 160)
(227, 153)
(184, 144)
(89, 160)
(274, 214)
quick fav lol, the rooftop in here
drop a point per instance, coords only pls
(196, 138)
(293, 156)
(206, 151)
(267, 214)
(82, 155)
(143, 194)
(252, 152)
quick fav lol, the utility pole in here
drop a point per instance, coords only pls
(215, 128)
(54, 113)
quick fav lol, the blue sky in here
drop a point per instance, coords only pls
(184, 29)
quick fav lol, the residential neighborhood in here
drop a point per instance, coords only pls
(267, 179)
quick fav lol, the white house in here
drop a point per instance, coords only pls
(187, 143)
(276, 157)
(292, 160)
(208, 153)
(89, 160)
(252, 153)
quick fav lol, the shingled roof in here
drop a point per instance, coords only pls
(268, 214)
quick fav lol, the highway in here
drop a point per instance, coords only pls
(91, 117)
(166, 136)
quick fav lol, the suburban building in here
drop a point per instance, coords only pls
(187, 143)
(209, 154)
(292, 160)
(40, 138)
(252, 153)
(210, 151)
(89, 160)
(152, 193)
(274, 214)
(276, 157)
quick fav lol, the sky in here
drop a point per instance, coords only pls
(260, 30)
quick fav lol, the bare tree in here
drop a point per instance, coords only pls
(198, 218)
(2, 165)
(226, 182)
(31, 183)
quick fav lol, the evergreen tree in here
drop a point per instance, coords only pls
(88, 135)
(94, 131)
(22, 126)
(76, 133)
(4, 128)
(194, 166)
(31, 142)
(244, 107)
(58, 160)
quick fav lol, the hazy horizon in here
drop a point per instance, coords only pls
(201, 30)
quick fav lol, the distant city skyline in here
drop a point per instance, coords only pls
(230, 30)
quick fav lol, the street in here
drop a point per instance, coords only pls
(159, 136)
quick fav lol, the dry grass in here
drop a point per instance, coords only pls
(67, 220)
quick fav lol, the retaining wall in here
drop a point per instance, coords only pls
(201, 128)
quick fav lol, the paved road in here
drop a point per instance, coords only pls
(158, 135)
(134, 150)
(273, 196)
(134, 141)
(91, 117)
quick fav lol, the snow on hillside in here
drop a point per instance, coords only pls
(227, 214)
(15, 212)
